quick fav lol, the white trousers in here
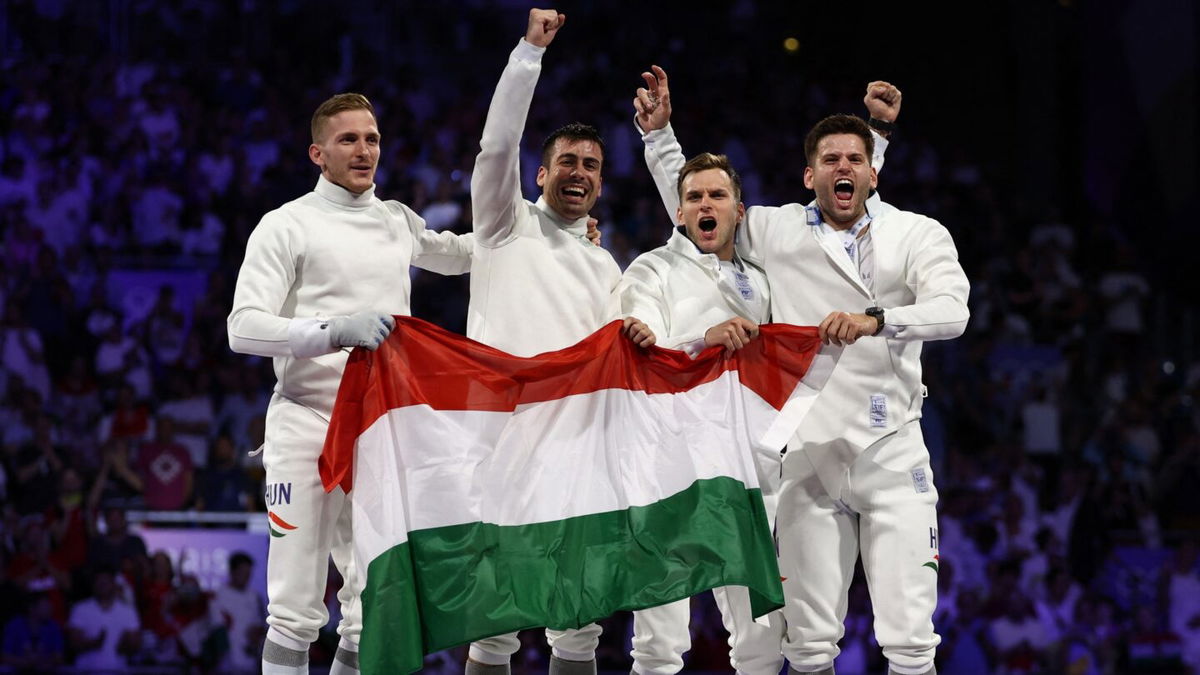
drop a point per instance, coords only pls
(573, 645)
(307, 526)
(883, 507)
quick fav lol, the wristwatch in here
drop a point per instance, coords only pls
(881, 125)
(876, 312)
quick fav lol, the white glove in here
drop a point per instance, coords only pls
(365, 329)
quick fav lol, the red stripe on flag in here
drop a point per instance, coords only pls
(421, 363)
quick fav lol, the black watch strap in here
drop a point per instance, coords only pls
(876, 312)
(880, 125)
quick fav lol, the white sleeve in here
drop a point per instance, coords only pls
(754, 236)
(665, 159)
(941, 288)
(264, 281)
(643, 296)
(441, 252)
(881, 145)
(496, 180)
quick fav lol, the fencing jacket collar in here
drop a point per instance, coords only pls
(745, 307)
(343, 197)
(577, 227)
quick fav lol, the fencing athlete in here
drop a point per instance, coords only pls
(856, 479)
(537, 285)
(322, 274)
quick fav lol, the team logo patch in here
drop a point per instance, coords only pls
(878, 411)
(920, 481)
(278, 526)
(932, 564)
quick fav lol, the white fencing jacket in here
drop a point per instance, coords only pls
(328, 253)
(876, 386)
(537, 284)
(680, 293)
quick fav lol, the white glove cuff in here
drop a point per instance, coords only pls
(653, 136)
(310, 337)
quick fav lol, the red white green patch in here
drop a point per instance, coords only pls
(278, 524)
(932, 564)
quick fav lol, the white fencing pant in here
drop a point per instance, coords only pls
(884, 505)
(572, 645)
(307, 525)
(754, 646)
(661, 635)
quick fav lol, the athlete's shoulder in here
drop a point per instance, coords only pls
(396, 208)
(916, 227)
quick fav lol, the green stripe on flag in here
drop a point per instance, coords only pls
(476, 580)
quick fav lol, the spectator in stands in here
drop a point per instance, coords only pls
(1183, 599)
(103, 629)
(223, 485)
(240, 609)
(191, 412)
(21, 346)
(33, 639)
(36, 469)
(129, 419)
(117, 548)
(166, 477)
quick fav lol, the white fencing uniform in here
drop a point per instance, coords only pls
(537, 283)
(680, 292)
(857, 471)
(328, 253)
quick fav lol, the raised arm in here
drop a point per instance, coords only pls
(883, 107)
(496, 181)
(664, 156)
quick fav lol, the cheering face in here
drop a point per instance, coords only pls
(571, 183)
(842, 176)
(348, 150)
(709, 211)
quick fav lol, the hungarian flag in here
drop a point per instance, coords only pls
(493, 493)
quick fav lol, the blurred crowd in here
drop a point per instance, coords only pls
(141, 141)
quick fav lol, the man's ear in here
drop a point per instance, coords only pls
(314, 154)
(808, 177)
(541, 176)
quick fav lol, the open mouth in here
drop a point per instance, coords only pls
(708, 224)
(843, 189)
(574, 192)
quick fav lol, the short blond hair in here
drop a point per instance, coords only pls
(334, 105)
(705, 161)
